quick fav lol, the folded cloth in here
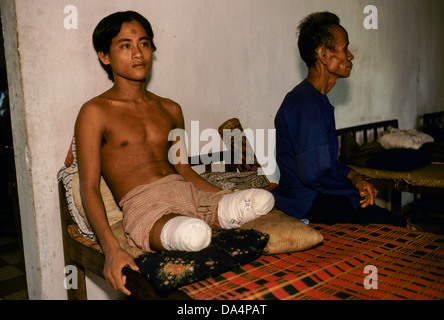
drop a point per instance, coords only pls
(146, 204)
(374, 155)
(407, 139)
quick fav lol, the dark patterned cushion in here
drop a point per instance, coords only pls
(169, 270)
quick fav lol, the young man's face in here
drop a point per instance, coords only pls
(339, 60)
(130, 55)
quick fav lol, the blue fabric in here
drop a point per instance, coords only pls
(307, 152)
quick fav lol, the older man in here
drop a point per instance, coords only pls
(313, 184)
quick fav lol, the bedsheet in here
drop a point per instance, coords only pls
(374, 262)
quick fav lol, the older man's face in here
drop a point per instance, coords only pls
(339, 60)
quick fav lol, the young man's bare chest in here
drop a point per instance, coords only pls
(130, 126)
(135, 146)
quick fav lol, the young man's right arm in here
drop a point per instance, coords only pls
(89, 130)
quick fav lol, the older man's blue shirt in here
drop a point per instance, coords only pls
(307, 152)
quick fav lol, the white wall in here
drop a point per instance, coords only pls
(218, 59)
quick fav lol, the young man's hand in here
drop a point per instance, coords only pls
(114, 263)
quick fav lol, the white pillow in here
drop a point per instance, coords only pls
(403, 139)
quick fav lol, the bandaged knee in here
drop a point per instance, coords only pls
(185, 234)
(237, 208)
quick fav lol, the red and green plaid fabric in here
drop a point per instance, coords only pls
(409, 265)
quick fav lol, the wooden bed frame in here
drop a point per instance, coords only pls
(400, 182)
(89, 257)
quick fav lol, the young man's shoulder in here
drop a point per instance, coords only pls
(163, 100)
(94, 105)
(169, 104)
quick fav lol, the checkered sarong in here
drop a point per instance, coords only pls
(146, 204)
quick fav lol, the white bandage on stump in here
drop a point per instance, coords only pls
(237, 208)
(185, 234)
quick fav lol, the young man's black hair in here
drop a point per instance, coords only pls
(110, 26)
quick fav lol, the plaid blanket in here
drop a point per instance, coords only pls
(353, 262)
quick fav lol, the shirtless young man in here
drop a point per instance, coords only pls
(122, 135)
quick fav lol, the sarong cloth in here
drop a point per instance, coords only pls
(145, 204)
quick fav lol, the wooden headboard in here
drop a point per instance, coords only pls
(432, 121)
(228, 167)
(433, 118)
(368, 132)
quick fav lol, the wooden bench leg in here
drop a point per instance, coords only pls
(80, 292)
